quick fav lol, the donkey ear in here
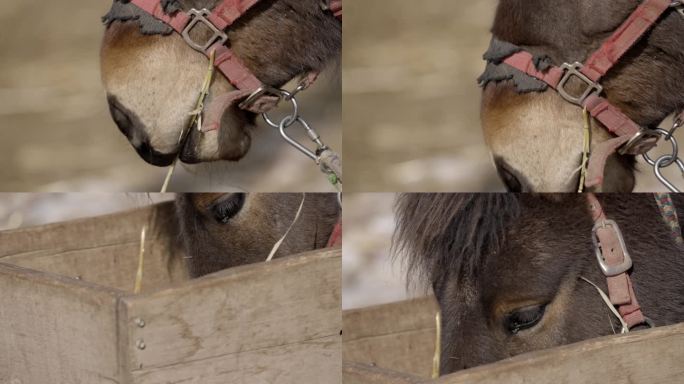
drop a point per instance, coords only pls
(597, 18)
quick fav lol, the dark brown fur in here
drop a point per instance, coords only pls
(249, 236)
(487, 255)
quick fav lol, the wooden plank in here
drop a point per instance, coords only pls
(356, 373)
(398, 336)
(103, 250)
(316, 361)
(653, 356)
(240, 311)
(57, 330)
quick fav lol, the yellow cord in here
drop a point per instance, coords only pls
(437, 358)
(196, 116)
(586, 149)
(141, 263)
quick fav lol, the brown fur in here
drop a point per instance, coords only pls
(249, 235)
(488, 255)
(645, 84)
(155, 79)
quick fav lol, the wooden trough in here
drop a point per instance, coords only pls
(69, 314)
(395, 344)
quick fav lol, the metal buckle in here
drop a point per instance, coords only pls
(641, 143)
(571, 70)
(197, 17)
(611, 270)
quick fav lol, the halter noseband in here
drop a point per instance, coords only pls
(217, 21)
(631, 138)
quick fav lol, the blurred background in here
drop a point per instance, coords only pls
(412, 103)
(56, 133)
(19, 210)
(369, 275)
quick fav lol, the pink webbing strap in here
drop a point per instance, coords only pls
(524, 61)
(234, 69)
(336, 236)
(335, 7)
(225, 14)
(620, 287)
(611, 116)
(624, 38)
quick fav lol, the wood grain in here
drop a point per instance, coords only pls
(102, 250)
(56, 329)
(653, 356)
(70, 317)
(316, 361)
(397, 336)
(356, 373)
(252, 311)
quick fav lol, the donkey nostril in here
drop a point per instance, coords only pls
(120, 116)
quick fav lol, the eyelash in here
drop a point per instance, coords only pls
(225, 209)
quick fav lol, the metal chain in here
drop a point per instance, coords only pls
(294, 119)
(667, 160)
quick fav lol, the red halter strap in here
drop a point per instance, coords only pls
(335, 6)
(336, 236)
(631, 138)
(615, 263)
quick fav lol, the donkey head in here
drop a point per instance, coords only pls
(153, 77)
(506, 269)
(536, 137)
(220, 231)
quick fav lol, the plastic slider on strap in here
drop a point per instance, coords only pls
(201, 17)
(609, 269)
(575, 70)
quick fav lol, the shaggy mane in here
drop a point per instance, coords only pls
(441, 233)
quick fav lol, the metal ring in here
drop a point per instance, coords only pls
(289, 119)
(657, 167)
(670, 158)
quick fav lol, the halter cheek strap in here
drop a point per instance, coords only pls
(631, 138)
(615, 264)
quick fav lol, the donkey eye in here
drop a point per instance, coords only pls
(227, 207)
(524, 318)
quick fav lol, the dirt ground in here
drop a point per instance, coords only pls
(411, 102)
(57, 135)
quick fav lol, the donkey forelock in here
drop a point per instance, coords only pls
(438, 234)
(508, 270)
